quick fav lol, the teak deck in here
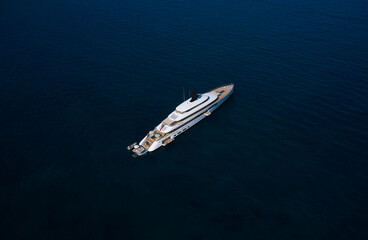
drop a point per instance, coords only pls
(226, 90)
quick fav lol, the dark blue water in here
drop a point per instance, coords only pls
(286, 157)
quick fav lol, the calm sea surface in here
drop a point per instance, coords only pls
(286, 157)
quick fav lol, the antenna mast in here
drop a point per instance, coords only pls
(183, 94)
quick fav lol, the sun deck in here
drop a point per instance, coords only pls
(188, 104)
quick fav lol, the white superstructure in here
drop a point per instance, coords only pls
(185, 116)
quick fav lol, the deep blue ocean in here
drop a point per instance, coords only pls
(286, 157)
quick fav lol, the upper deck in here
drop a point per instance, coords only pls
(187, 108)
(188, 105)
(192, 108)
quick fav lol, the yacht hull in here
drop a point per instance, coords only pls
(200, 115)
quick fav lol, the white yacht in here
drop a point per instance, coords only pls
(186, 115)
